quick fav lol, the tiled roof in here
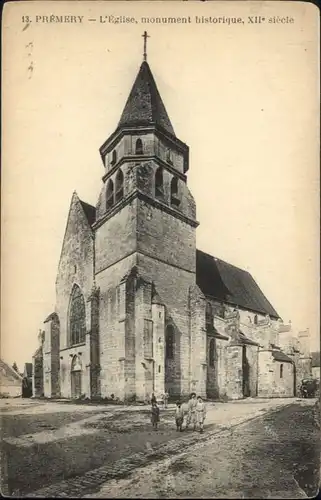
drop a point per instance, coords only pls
(230, 284)
(144, 105)
(315, 359)
(90, 212)
(280, 356)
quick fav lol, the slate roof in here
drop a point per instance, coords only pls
(280, 356)
(230, 284)
(315, 359)
(144, 105)
(90, 212)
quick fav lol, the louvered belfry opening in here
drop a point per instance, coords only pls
(110, 194)
(159, 187)
(119, 186)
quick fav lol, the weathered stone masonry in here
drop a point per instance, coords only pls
(139, 310)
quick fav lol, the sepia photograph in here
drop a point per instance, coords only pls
(160, 253)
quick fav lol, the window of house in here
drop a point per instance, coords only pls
(174, 192)
(169, 348)
(281, 371)
(119, 186)
(211, 355)
(113, 157)
(110, 194)
(139, 147)
(77, 317)
(159, 188)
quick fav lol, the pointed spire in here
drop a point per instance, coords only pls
(144, 105)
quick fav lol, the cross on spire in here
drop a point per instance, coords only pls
(145, 36)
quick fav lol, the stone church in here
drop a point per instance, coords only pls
(139, 309)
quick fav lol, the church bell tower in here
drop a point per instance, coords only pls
(145, 219)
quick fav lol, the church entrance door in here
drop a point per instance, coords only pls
(75, 378)
(246, 373)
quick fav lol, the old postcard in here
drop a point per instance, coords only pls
(160, 249)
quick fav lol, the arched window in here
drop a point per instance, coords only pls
(169, 156)
(139, 147)
(281, 370)
(208, 315)
(159, 189)
(77, 317)
(113, 157)
(170, 339)
(211, 355)
(174, 192)
(110, 194)
(76, 364)
(119, 186)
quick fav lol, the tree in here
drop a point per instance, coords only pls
(15, 367)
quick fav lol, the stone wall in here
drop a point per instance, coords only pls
(270, 382)
(234, 372)
(37, 375)
(172, 286)
(198, 342)
(116, 305)
(76, 267)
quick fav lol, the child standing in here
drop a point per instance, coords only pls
(166, 396)
(200, 413)
(155, 415)
(191, 416)
(179, 416)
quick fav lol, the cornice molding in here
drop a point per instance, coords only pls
(148, 199)
(110, 143)
(140, 159)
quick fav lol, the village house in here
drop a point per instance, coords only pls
(10, 381)
(139, 309)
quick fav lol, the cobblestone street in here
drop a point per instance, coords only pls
(63, 449)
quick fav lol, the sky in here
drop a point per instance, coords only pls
(245, 98)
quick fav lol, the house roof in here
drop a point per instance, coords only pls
(28, 369)
(9, 370)
(315, 359)
(144, 105)
(90, 211)
(230, 284)
(280, 356)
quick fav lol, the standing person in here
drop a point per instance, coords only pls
(191, 416)
(155, 415)
(200, 413)
(179, 416)
(153, 399)
(166, 396)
